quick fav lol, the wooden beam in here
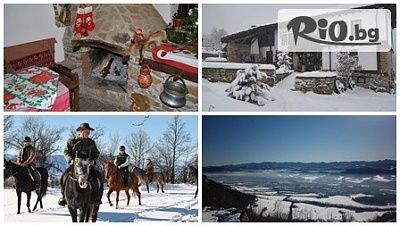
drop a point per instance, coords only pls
(123, 51)
(170, 70)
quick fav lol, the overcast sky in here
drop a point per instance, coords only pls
(238, 17)
(245, 139)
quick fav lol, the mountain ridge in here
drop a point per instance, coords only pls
(383, 166)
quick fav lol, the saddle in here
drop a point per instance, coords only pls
(35, 174)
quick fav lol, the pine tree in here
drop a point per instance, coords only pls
(345, 66)
(283, 60)
(248, 87)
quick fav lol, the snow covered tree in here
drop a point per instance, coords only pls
(248, 87)
(283, 60)
(345, 66)
(380, 83)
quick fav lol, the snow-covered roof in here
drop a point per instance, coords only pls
(214, 52)
(274, 22)
(215, 59)
(317, 74)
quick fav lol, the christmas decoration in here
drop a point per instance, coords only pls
(89, 18)
(84, 20)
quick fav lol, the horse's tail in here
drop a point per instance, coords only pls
(44, 181)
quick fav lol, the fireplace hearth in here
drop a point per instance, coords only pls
(116, 82)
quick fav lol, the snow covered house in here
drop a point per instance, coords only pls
(259, 44)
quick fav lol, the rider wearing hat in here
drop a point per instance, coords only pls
(122, 161)
(83, 147)
(149, 169)
(27, 158)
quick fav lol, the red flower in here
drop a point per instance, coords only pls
(42, 78)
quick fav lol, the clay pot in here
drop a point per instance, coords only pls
(145, 78)
(178, 22)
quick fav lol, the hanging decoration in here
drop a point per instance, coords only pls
(84, 20)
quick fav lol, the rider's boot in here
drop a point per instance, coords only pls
(37, 179)
(61, 201)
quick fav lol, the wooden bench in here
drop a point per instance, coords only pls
(71, 81)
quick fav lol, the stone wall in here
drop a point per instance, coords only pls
(319, 85)
(118, 96)
(385, 62)
(227, 75)
(236, 52)
(365, 80)
(114, 24)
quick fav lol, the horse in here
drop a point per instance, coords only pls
(192, 175)
(115, 183)
(79, 193)
(24, 183)
(157, 178)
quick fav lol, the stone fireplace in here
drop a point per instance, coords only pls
(110, 39)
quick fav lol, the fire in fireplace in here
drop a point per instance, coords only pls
(108, 70)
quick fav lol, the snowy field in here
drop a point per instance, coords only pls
(359, 99)
(177, 204)
(317, 195)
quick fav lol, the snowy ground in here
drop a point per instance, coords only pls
(216, 99)
(274, 205)
(177, 204)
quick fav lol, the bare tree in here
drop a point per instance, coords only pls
(215, 37)
(172, 144)
(138, 145)
(114, 143)
(189, 157)
(44, 139)
(8, 125)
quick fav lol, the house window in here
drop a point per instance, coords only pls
(353, 52)
(361, 80)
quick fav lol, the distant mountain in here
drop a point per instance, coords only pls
(369, 170)
(388, 166)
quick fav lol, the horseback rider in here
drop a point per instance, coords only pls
(27, 158)
(149, 169)
(122, 161)
(81, 145)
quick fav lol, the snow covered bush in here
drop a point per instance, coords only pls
(345, 66)
(384, 83)
(248, 87)
(283, 60)
(392, 85)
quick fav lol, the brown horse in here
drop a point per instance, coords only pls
(116, 183)
(156, 177)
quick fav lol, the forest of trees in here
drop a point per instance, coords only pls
(171, 153)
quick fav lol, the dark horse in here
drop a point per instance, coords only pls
(24, 183)
(156, 177)
(116, 183)
(192, 175)
(79, 193)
